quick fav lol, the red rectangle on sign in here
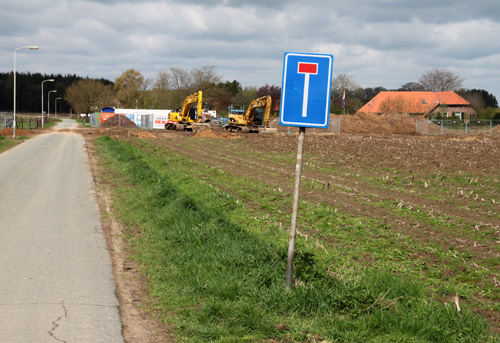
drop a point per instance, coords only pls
(308, 68)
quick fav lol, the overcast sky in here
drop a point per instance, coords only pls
(380, 43)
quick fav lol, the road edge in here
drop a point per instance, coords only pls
(138, 322)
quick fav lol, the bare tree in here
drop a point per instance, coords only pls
(181, 79)
(344, 81)
(411, 86)
(182, 84)
(131, 88)
(347, 83)
(88, 95)
(161, 90)
(172, 86)
(440, 80)
(206, 80)
(205, 76)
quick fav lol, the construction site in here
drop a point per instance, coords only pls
(434, 197)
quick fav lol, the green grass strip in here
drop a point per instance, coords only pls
(7, 143)
(217, 281)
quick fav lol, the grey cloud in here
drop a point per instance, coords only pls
(427, 11)
(385, 43)
(209, 3)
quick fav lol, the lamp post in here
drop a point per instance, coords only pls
(14, 122)
(48, 80)
(48, 103)
(56, 107)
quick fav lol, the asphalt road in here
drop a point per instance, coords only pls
(56, 283)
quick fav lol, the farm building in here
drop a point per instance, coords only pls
(447, 104)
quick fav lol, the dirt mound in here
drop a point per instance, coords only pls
(118, 120)
(8, 131)
(386, 123)
(369, 123)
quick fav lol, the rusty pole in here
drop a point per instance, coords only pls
(296, 192)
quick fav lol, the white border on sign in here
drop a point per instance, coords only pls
(330, 63)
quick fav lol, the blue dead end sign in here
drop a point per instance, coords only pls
(306, 90)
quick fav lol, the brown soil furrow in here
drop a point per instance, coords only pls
(351, 195)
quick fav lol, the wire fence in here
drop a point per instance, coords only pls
(95, 119)
(27, 123)
(457, 126)
(6, 120)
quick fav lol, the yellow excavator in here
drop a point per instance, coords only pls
(190, 117)
(257, 115)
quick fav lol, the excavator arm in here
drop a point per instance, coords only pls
(267, 112)
(186, 115)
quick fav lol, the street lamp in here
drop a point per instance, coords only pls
(48, 80)
(56, 107)
(23, 47)
(48, 103)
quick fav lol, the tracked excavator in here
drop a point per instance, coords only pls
(255, 117)
(190, 117)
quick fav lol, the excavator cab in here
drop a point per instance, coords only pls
(258, 116)
(193, 114)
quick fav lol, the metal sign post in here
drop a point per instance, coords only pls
(295, 209)
(305, 102)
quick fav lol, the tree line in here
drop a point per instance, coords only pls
(166, 91)
(29, 91)
(433, 80)
(169, 88)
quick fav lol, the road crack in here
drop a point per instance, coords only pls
(56, 323)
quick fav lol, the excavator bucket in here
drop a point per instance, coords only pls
(199, 127)
(267, 130)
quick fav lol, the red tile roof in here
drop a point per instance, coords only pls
(411, 102)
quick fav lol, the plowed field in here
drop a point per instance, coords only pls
(427, 206)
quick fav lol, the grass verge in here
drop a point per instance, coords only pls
(7, 143)
(217, 273)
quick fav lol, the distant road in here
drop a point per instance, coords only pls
(56, 283)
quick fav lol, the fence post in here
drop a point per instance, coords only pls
(491, 126)
(466, 127)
